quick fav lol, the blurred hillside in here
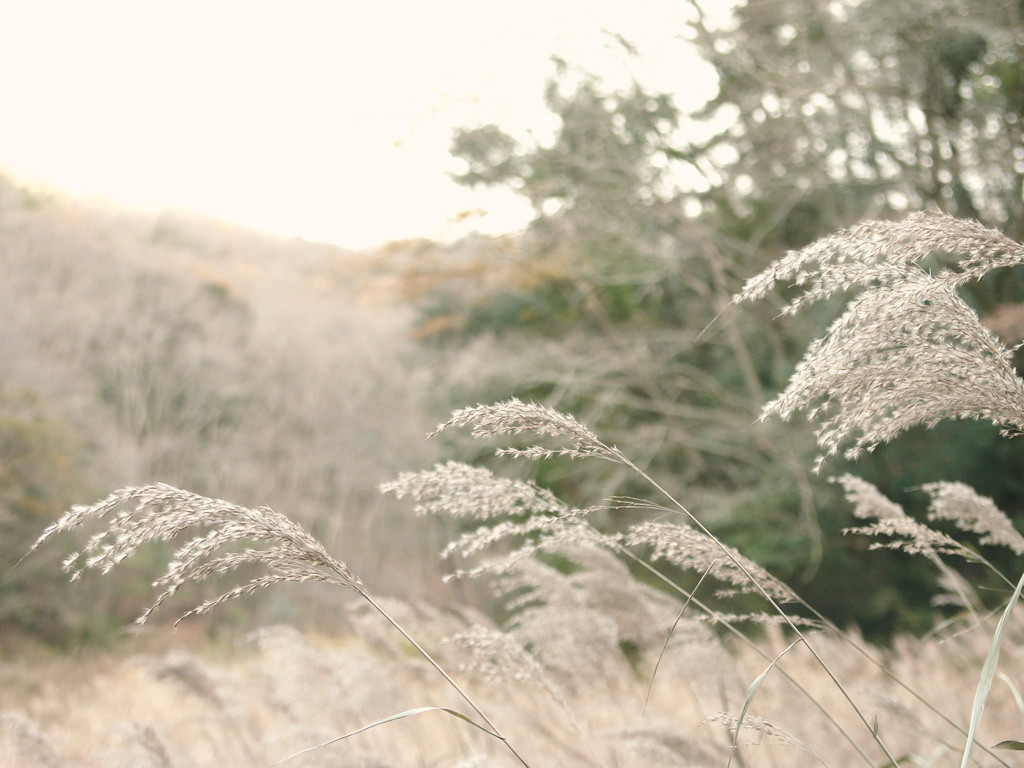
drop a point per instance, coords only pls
(140, 349)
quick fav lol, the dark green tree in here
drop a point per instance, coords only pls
(603, 315)
(831, 112)
(826, 114)
(607, 226)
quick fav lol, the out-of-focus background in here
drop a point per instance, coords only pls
(259, 250)
(329, 121)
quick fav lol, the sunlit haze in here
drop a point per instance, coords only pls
(322, 119)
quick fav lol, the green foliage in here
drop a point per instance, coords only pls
(825, 114)
(40, 474)
(43, 465)
(606, 212)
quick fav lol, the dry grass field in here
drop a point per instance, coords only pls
(597, 653)
(279, 691)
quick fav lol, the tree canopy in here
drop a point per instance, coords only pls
(616, 302)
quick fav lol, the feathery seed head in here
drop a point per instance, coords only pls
(514, 417)
(498, 657)
(907, 351)
(895, 528)
(524, 517)
(969, 511)
(458, 490)
(160, 512)
(686, 547)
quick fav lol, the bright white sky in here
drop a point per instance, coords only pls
(324, 119)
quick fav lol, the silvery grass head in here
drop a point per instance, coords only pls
(908, 350)
(513, 417)
(519, 520)
(137, 516)
(283, 549)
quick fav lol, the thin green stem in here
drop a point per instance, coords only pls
(668, 637)
(441, 670)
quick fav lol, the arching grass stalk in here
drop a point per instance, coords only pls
(514, 417)
(136, 516)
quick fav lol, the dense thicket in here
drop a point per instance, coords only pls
(647, 220)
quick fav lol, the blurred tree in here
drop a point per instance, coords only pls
(826, 114)
(602, 312)
(171, 376)
(607, 222)
(836, 112)
(833, 112)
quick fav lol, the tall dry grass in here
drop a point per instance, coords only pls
(607, 656)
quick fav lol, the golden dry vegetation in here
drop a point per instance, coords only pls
(177, 701)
